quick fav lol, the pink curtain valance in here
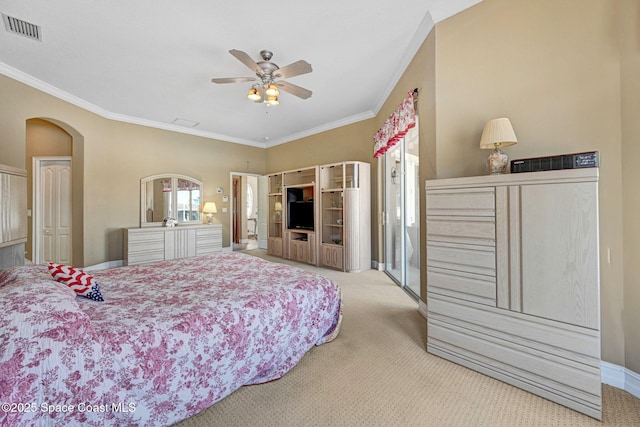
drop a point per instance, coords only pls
(395, 127)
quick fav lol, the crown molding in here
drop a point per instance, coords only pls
(442, 11)
(85, 105)
(79, 102)
(323, 128)
(419, 37)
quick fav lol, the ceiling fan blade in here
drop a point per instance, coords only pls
(246, 60)
(298, 91)
(233, 80)
(294, 69)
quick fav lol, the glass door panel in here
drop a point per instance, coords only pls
(332, 218)
(275, 183)
(331, 177)
(394, 238)
(402, 213)
(275, 215)
(412, 211)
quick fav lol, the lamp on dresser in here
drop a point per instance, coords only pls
(210, 208)
(497, 133)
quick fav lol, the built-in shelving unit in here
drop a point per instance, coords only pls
(323, 214)
(346, 216)
(301, 207)
(276, 215)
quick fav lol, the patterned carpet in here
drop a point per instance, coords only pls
(378, 373)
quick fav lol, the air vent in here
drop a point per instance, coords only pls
(185, 123)
(22, 28)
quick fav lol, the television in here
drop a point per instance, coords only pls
(300, 215)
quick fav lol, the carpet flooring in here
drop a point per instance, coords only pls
(378, 373)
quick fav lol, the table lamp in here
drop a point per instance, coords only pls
(497, 133)
(209, 209)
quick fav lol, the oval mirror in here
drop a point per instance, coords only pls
(169, 196)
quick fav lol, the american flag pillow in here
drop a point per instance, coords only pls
(82, 283)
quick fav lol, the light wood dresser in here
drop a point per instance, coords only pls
(13, 215)
(513, 280)
(153, 244)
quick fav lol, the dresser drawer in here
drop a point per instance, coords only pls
(463, 258)
(471, 230)
(462, 202)
(152, 244)
(462, 285)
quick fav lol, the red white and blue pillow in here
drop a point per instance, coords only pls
(82, 283)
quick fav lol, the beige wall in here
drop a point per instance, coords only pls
(630, 88)
(352, 142)
(115, 156)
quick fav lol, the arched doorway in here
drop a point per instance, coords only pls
(56, 142)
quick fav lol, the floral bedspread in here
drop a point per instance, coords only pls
(169, 340)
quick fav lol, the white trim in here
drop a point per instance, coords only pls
(231, 202)
(319, 129)
(36, 217)
(620, 377)
(633, 383)
(422, 308)
(612, 375)
(85, 105)
(441, 10)
(419, 37)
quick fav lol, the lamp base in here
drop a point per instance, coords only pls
(497, 162)
(209, 219)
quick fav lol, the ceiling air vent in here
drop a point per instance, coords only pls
(184, 122)
(22, 28)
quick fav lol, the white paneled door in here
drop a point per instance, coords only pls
(52, 209)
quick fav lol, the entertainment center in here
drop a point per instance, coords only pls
(321, 215)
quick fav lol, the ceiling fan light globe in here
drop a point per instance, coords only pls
(272, 90)
(273, 101)
(253, 95)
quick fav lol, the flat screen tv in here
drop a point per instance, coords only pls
(300, 215)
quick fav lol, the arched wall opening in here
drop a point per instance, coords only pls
(52, 138)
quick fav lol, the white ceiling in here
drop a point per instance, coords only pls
(151, 61)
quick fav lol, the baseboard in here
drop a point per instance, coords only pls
(422, 308)
(633, 383)
(613, 375)
(227, 249)
(620, 377)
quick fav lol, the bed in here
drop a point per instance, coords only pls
(169, 340)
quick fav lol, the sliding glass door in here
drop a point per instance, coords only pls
(402, 213)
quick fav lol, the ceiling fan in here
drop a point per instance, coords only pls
(270, 77)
